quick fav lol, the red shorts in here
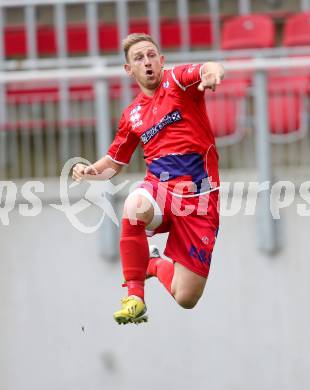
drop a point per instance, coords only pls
(192, 223)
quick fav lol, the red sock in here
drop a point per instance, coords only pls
(163, 269)
(134, 255)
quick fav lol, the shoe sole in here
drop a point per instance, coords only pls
(138, 320)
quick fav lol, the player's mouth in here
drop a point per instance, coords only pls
(149, 73)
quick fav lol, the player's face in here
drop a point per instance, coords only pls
(145, 63)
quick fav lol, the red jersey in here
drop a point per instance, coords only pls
(174, 131)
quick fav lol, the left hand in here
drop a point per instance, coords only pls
(211, 76)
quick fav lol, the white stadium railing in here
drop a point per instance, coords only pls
(56, 120)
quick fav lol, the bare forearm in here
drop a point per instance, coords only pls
(102, 169)
(105, 164)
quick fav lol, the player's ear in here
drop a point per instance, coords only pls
(128, 69)
(162, 60)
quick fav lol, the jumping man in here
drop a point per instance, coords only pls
(180, 192)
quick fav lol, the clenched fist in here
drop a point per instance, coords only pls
(80, 171)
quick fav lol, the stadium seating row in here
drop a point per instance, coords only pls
(258, 31)
(287, 100)
(227, 108)
(239, 32)
(108, 37)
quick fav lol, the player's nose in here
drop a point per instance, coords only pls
(147, 61)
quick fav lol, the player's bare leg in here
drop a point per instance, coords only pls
(185, 286)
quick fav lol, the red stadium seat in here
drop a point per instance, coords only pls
(287, 108)
(170, 32)
(77, 39)
(139, 26)
(248, 31)
(297, 30)
(15, 41)
(46, 41)
(200, 31)
(108, 37)
(227, 111)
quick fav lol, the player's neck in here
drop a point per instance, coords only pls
(148, 92)
(151, 92)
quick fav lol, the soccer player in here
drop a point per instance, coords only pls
(180, 192)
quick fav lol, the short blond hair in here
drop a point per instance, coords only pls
(134, 38)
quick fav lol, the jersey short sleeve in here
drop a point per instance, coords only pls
(124, 143)
(186, 76)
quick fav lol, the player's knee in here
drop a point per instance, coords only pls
(187, 300)
(138, 208)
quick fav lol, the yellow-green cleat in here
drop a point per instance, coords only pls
(133, 311)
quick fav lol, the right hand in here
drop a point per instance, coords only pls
(81, 171)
